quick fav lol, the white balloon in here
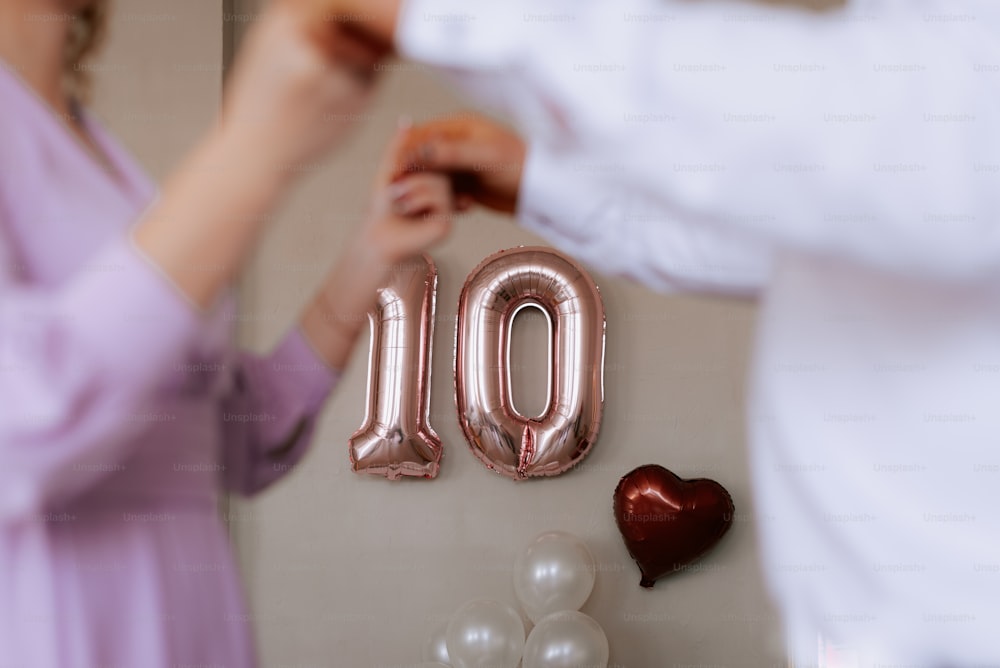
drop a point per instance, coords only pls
(485, 634)
(567, 639)
(555, 572)
(436, 648)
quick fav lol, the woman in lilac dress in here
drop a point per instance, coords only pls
(124, 410)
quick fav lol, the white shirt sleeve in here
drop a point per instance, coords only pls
(870, 132)
(628, 235)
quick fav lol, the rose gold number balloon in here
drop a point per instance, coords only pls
(396, 438)
(506, 441)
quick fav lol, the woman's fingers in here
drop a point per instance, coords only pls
(389, 170)
(422, 194)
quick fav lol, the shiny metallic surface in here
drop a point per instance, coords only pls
(436, 648)
(668, 522)
(396, 438)
(566, 639)
(485, 634)
(505, 441)
(555, 572)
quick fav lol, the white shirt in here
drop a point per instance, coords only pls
(849, 163)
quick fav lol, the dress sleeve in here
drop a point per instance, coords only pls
(866, 133)
(76, 363)
(269, 417)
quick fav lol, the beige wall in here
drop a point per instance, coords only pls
(345, 570)
(159, 80)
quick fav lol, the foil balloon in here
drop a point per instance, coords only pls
(511, 444)
(396, 438)
(668, 522)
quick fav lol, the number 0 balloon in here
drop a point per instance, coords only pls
(506, 441)
(396, 438)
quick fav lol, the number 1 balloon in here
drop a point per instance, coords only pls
(504, 440)
(396, 438)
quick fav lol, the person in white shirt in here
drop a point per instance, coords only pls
(858, 150)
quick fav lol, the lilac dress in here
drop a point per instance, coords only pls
(124, 414)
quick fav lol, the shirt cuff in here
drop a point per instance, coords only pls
(314, 380)
(558, 206)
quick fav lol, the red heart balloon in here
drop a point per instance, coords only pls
(668, 522)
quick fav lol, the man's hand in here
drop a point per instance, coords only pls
(484, 158)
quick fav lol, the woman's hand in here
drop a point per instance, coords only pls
(290, 96)
(410, 211)
(374, 21)
(484, 158)
(285, 106)
(408, 214)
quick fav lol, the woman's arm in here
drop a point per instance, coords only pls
(407, 215)
(280, 113)
(290, 386)
(78, 363)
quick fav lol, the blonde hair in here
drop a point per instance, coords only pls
(84, 38)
